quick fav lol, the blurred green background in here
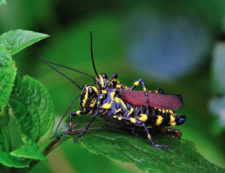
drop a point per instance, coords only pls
(176, 45)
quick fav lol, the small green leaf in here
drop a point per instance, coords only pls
(33, 108)
(119, 145)
(7, 76)
(11, 161)
(16, 40)
(29, 152)
(2, 2)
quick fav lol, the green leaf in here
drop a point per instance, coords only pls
(11, 161)
(2, 2)
(33, 108)
(16, 40)
(7, 76)
(29, 151)
(119, 145)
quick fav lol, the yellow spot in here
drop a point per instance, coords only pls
(104, 91)
(136, 83)
(159, 120)
(172, 120)
(163, 111)
(149, 136)
(120, 118)
(170, 111)
(156, 91)
(78, 112)
(106, 106)
(115, 116)
(143, 117)
(144, 89)
(133, 120)
(159, 110)
(70, 123)
(118, 86)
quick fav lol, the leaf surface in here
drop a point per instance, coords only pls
(33, 108)
(16, 40)
(119, 145)
(7, 76)
(11, 161)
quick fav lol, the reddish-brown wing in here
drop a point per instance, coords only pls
(157, 100)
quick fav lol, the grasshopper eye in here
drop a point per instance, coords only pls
(90, 90)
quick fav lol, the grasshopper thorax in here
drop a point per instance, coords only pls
(88, 98)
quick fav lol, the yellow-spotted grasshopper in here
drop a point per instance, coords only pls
(119, 103)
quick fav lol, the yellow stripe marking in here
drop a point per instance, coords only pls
(130, 112)
(159, 120)
(120, 118)
(85, 97)
(95, 89)
(101, 81)
(118, 110)
(93, 103)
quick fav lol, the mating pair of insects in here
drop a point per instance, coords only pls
(116, 102)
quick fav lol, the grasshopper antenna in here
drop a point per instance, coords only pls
(63, 116)
(92, 56)
(48, 64)
(70, 69)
